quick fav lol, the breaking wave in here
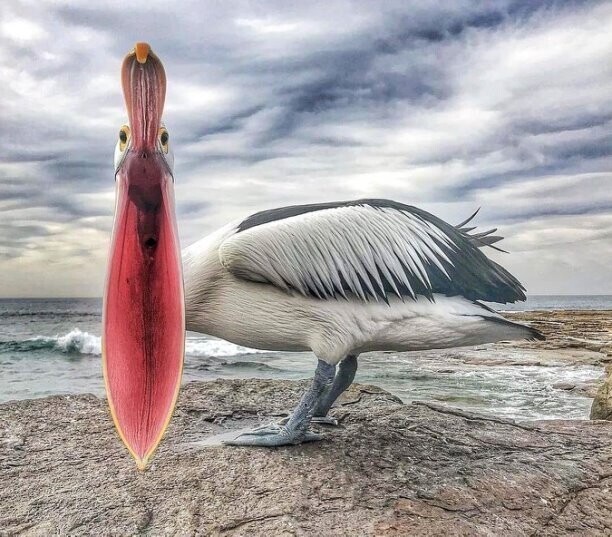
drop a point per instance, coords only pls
(77, 342)
(74, 342)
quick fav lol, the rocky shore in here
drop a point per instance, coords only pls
(587, 334)
(388, 469)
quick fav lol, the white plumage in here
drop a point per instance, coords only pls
(340, 279)
(330, 281)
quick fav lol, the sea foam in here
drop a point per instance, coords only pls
(197, 346)
(78, 342)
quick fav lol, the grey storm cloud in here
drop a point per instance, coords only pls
(450, 106)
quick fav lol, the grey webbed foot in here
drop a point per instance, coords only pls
(295, 430)
(273, 435)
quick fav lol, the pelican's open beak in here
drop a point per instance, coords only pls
(144, 324)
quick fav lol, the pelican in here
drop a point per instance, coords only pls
(335, 279)
(143, 332)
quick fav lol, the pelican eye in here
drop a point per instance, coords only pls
(163, 138)
(124, 134)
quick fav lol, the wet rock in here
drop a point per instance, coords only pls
(602, 404)
(588, 389)
(588, 333)
(388, 469)
(567, 386)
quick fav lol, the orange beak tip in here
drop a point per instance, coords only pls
(142, 52)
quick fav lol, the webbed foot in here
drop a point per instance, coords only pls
(273, 435)
(295, 429)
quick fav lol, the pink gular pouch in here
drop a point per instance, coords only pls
(144, 322)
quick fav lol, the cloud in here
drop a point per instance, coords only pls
(501, 104)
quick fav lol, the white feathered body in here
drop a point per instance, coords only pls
(224, 300)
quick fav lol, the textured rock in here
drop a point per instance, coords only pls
(602, 404)
(389, 469)
(566, 386)
(570, 329)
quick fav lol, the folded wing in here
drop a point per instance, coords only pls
(369, 249)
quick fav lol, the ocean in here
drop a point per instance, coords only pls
(52, 346)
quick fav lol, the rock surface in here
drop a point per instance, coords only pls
(389, 469)
(567, 329)
(602, 404)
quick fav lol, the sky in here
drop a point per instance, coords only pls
(447, 106)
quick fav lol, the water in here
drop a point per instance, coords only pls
(52, 346)
(559, 302)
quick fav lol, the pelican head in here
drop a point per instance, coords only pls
(144, 326)
(145, 136)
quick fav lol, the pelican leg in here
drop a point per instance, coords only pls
(343, 379)
(295, 431)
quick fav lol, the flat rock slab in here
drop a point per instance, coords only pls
(388, 469)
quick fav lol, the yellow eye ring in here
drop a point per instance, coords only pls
(124, 136)
(163, 139)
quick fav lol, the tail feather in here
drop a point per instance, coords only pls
(516, 330)
(481, 238)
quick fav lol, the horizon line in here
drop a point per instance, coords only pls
(100, 297)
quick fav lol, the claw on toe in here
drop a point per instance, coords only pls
(319, 420)
(325, 420)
